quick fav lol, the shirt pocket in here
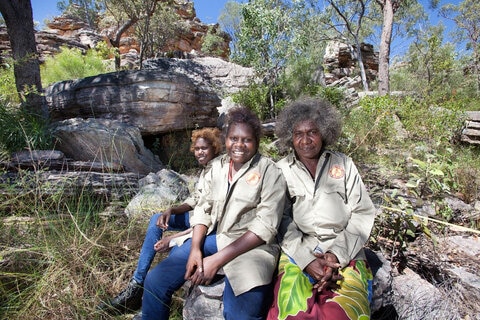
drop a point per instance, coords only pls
(296, 193)
(335, 188)
(248, 197)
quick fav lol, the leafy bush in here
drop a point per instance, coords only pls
(370, 125)
(255, 97)
(438, 123)
(212, 43)
(73, 64)
(431, 177)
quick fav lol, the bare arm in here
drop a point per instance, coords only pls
(195, 259)
(163, 244)
(162, 221)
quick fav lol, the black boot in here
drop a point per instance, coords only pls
(130, 299)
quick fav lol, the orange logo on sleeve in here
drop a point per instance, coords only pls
(336, 172)
(253, 178)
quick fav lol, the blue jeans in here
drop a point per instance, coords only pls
(168, 276)
(154, 233)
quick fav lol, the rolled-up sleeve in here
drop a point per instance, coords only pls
(269, 210)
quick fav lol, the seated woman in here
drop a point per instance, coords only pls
(323, 272)
(234, 227)
(206, 145)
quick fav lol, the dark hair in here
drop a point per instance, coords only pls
(244, 115)
(212, 135)
(321, 112)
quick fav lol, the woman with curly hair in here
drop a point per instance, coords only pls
(323, 272)
(206, 144)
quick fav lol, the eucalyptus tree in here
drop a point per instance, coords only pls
(230, 20)
(125, 14)
(430, 62)
(351, 21)
(18, 17)
(85, 10)
(402, 15)
(466, 16)
(272, 35)
(159, 25)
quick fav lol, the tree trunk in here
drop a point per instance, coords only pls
(115, 41)
(476, 59)
(363, 74)
(18, 18)
(384, 54)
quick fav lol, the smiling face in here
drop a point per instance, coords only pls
(307, 140)
(203, 151)
(240, 144)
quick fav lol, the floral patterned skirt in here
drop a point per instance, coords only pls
(295, 297)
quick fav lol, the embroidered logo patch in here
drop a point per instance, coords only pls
(253, 178)
(336, 172)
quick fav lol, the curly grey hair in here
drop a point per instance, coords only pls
(321, 112)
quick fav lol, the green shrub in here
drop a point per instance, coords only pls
(72, 64)
(255, 97)
(438, 122)
(212, 43)
(370, 125)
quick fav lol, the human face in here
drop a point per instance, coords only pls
(307, 140)
(240, 143)
(203, 151)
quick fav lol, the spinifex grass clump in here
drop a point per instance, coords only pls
(56, 255)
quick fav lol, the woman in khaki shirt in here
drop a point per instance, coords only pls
(235, 226)
(323, 273)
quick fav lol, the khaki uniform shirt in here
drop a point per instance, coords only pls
(332, 211)
(254, 202)
(193, 198)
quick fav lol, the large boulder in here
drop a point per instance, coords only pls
(224, 77)
(157, 191)
(105, 141)
(154, 101)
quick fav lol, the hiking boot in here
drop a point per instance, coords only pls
(130, 299)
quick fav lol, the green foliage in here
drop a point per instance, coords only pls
(267, 147)
(256, 97)
(212, 43)
(432, 177)
(397, 226)
(334, 95)
(439, 123)
(21, 130)
(273, 38)
(157, 25)
(85, 10)
(370, 125)
(433, 71)
(72, 64)
(8, 88)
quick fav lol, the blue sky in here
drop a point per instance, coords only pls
(208, 11)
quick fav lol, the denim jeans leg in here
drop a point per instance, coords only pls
(250, 305)
(179, 222)
(147, 253)
(167, 277)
